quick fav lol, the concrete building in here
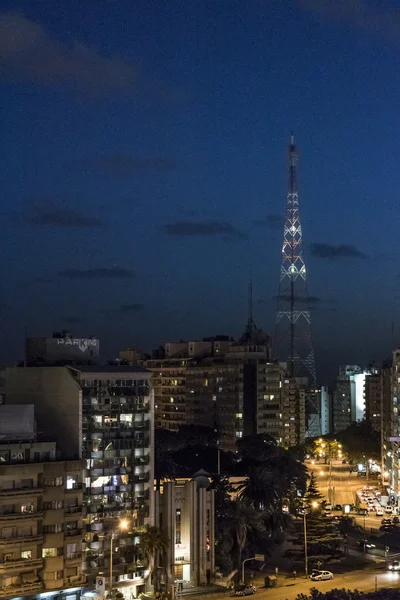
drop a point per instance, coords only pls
(373, 400)
(326, 411)
(61, 349)
(232, 387)
(185, 512)
(349, 404)
(41, 518)
(105, 416)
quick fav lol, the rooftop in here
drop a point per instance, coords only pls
(111, 369)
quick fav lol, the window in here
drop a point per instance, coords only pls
(4, 456)
(178, 521)
(71, 572)
(52, 482)
(56, 528)
(49, 552)
(55, 504)
(27, 508)
(9, 581)
(26, 554)
(59, 574)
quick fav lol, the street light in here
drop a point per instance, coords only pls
(123, 524)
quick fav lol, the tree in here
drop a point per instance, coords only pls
(246, 520)
(312, 494)
(164, 465)
(153, 543)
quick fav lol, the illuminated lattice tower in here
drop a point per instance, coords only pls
(292, 337)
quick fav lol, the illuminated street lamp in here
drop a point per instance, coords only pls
(123, 525)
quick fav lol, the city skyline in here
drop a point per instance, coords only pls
(145, 171)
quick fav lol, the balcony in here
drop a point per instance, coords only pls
(22, 563)
(17, 516)
(29, 491)
(69, 510)
(71, 559)
(74, 533)
(21, 589)
(75, 487)
(10, 541)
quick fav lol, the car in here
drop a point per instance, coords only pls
(386, 521)
(394, 566)
(328, 506)
(369, 545)
(371, 508)
(245, 590)
(321, 575)
(379, 512)
(388, 510)
(338, 507)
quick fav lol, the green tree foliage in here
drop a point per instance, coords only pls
(312, 495)
(153, 543)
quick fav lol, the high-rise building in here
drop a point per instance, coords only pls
(349, 396)
(292, 337)
(105, 416)
(326, 411)
(373, 400)
(233, 388)
(41, 512)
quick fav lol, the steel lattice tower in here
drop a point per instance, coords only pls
(292, 337)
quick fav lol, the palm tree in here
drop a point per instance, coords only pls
(165, 466)
(153, 543)
(247, 520)
(259, 488)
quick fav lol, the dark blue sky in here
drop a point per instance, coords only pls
(143, 154)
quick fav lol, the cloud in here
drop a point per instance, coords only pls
(120, 164)
(272, 221)
(203, 228)
(63, 217)
(332, 252)
(380, 23)
(72, 320)
(125, 309)
(102, 273)
(28, 52)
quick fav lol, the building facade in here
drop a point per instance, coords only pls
(41, 513)
(103, 415)
(61, 349)
(373, 400)
(185, 512)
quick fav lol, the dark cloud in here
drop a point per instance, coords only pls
(63, 217)
(28, 52)
(377, 22)
(125, 309)
(43, 280)
(72, 320)
(272, 221)
(122, 165)
(204, 228)
(102, 273)
(332, 252)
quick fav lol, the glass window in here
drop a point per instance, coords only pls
(26, 554)
(49, 552)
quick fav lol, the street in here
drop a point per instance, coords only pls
(344, 486)
(365, 581)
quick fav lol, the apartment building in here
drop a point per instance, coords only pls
(104, 415)
(41, 518)
(373, 399)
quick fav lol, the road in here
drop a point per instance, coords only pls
(344, 486)
(361, 580)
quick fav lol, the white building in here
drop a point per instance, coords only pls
(185, 512)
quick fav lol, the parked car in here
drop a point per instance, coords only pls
(328, 506)
(321, 575)
(379, 512)
(388, 510)
(369, 545)
(394, 565)
(386, 521)
(396, 520)
(338, 507)
(245, 590)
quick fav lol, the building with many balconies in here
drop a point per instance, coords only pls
(41, 503)
(103, 414)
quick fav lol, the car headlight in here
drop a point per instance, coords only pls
(390, 568)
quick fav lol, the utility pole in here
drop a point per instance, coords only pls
(305, 543)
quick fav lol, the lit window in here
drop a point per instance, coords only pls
(172, 400)
(239, 415)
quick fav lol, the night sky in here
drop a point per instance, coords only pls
(144, 168)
